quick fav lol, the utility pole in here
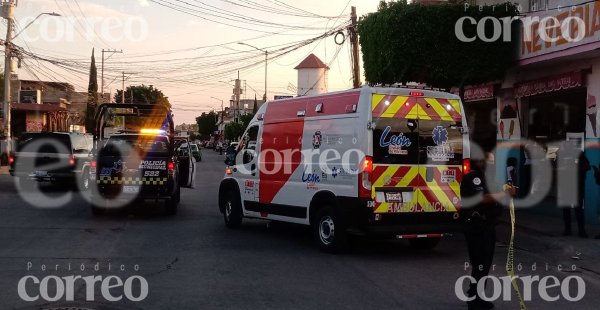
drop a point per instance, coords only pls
(112, 52)
(123, 95)
(237, 92)
(266, 63)
(8, 12)
(354, 42)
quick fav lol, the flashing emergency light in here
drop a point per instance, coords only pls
(151, 131)
(416, 94)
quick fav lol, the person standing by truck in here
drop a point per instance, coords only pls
(480, 210)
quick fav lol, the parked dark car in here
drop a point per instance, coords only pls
(54, 157)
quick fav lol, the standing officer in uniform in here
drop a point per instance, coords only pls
(480, 210)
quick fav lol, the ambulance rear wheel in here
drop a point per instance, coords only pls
(232, 210)
(424, 243)
(329, 231)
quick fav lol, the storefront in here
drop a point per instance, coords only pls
(28, 117)
(480, 110)
(550, 97)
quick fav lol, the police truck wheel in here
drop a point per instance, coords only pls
(172, 204)
(96, 210)
(329, 231)
(424, 243)
(232, 210)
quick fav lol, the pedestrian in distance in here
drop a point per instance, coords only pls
(480, 211)
(583, 166)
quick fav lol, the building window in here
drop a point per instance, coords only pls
(537, 5)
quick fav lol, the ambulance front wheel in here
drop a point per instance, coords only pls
(232, 210)
(424, 243)
(329, 232)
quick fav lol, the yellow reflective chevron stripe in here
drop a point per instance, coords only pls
(438, 193)
(416, 107)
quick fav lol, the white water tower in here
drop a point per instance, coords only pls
(312, 76)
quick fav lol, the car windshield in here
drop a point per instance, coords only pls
(45, 143)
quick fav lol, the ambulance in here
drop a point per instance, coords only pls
(375, 161)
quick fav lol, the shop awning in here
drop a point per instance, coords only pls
(37, 107)
(550, 84)
(478, 93)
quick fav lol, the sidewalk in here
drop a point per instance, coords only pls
(541, 235)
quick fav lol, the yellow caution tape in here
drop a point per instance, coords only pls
(510, 260)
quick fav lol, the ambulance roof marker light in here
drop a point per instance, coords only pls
(319, 108)
(416, 94)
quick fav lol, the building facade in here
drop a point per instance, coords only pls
(549, 97)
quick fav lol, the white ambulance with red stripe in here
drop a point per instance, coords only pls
(377, 161)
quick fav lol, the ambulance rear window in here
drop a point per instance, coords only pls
(396, 141)
(440, 143)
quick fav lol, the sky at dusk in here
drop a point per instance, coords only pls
(188, 49)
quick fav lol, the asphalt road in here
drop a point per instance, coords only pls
(191, 261)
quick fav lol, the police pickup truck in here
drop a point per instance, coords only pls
(139, 165)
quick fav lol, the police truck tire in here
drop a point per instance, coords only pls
(232, 210)
(329, 231)
(172, 204)
(97, 211)
(424, 243)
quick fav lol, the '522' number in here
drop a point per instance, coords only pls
(151, 173)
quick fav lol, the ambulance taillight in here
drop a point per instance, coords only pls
(364, 177)
(466, 166)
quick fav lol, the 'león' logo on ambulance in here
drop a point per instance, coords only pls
(317, 139)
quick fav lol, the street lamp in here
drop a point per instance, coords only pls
(266, 62)
(33, 21)
(222, 111)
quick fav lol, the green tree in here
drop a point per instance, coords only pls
(207, 123)
(92, 100)
(417, 43)
(234, 130)
(255, 108)
(143, 94)
(245, 120)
